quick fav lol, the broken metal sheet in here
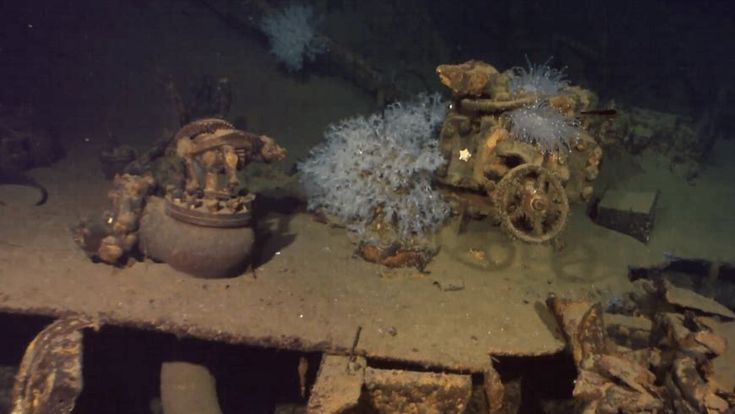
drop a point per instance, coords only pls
(590, 386)
(669, 330)
(624, 371)
(607, 381)
(694, 389)
(49, 378)
(630, 331)
(691, 300)
(398, 391)
(619, 399)
(310, 297)
(616, 381)
(494, 390)
(715, 343)
(628, 323)
(583, 324)
(338, 385)
(679, 368)
(722, 370)
(689, 334)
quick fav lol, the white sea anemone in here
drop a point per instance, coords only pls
(537, 79)
(543, 125)
(385, 160)
(292, 35)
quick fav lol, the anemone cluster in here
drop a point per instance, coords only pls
(540, 123)
(381, 163)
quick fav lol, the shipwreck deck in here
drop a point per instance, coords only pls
(312, 294)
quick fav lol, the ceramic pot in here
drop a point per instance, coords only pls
(202, 251)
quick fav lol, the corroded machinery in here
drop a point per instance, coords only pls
(205, 228)
(493, 172)
(213, 151)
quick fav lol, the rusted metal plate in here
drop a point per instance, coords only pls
(310, 295)
(723, 365)
(49, 378)
(691, 300)
(583, 325)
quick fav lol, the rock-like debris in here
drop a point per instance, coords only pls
(674, 355)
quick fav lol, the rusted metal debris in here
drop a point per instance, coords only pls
(683, 366)
(345, 384)
(338, 385)
(398, 391)
(113, 235)
(691, 300)
(608, 381)
(49, 378)
(494, 390)
(583, 326)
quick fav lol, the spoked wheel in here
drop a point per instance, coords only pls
(531, 203)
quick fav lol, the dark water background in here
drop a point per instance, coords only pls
(96, 61)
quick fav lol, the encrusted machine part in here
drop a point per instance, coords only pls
(237, 213)
(531, 203)
(205, 229)
(210, 146)
(111, 237)
(493, 128)
(473, 78)
(49, 378)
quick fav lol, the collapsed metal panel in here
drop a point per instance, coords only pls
(310, 295)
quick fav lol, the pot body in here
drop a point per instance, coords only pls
(207, 252)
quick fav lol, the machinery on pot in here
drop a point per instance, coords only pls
(202, 227)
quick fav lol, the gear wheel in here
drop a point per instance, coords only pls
(531, 203)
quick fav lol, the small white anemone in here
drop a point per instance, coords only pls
(543, 125)
(538, 79)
